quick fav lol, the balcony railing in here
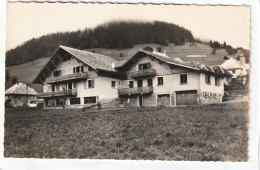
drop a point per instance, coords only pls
(70, 92)
(67, 77)
(136, 90)
(143, 73)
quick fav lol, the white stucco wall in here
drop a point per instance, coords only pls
(211, 88)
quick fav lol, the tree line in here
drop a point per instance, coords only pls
(111, 35)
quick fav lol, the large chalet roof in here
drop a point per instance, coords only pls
(20, 89)
(177, 62)
(97, 61)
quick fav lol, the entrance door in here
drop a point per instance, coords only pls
(140, 98)
(186, 97)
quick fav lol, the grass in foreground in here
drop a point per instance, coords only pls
(194, 133)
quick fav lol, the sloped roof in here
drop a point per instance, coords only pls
(231, 64)
(97, 61)
(20, 88)
(191, 65)
(160, 57)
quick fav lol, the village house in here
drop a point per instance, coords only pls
(20, 95)
(237, 67)
(76, 78)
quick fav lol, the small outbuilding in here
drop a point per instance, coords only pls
(19, 95)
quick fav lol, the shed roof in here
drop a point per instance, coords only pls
(21, 89)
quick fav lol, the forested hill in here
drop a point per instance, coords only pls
(114, 35)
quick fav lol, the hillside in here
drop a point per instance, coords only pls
(111, 35)
(27, 71)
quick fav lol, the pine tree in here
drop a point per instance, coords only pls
(224, 45)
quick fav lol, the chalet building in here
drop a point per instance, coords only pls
(153, 79)
(76, 78)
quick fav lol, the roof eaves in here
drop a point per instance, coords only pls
(45, 65)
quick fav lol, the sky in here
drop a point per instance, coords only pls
(31, 20)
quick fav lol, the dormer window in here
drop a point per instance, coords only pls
(144, 66)
(57, 73)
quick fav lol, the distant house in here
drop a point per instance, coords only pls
(19, 95)
(237, 67)
(76, 78)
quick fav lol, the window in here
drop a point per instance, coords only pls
(144, 66)
(160, 96)
(217, 81)
(90, 83)
(131, 84)
(90, 100)
(69, 86)
(183, 78)
(160, 81)
(59, 102)
(233, 71)
(52, 88)
(57, 73)
(149, 82)
(207, 78)
(78, 69)
(74, 101)
(140, 83)
(113, 84)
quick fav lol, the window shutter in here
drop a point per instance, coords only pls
(73, 69)
(92, 83)
(148, 65)
(82, 69)
(85, 84)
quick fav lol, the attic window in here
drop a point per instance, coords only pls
(144, 66)
(57, 73)
(78, 69)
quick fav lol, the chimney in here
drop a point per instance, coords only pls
(242, 60)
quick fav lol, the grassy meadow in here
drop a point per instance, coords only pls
(193, 133)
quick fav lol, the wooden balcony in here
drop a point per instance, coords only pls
(136, 90)
(70, 92)
(67, 77)
(143, 73)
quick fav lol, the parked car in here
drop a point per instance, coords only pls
(32, 104)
